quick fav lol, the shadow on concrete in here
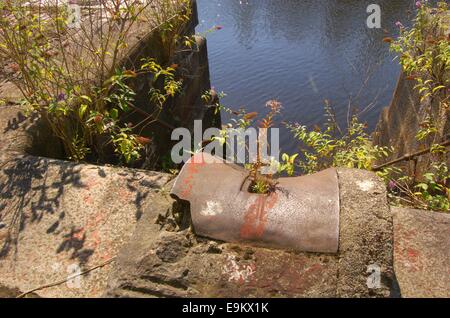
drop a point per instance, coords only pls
(27, 185)
(16, 122)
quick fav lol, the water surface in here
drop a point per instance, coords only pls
(302, 52)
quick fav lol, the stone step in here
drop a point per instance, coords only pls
(422, 252)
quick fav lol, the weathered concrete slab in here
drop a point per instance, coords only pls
(422, 252)
(59, 218)
(160, 262)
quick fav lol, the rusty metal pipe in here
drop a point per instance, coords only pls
(302, 214)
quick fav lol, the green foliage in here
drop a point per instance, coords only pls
(431, 193)
(119, 93)
(170, 85)
(288, 164)
(260, 186)
(330, 147)
(76, 81)
(126, 144)
(424, 52)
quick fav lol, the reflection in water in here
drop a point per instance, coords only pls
(302, 52)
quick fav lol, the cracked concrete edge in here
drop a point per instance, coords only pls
(131, 255)
(366, 236)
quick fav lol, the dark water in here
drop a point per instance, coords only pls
(302, 52)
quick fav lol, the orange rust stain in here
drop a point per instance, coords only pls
(88, 199)
(93, 225)
(313, 269)
(125, 195)
(106, 255)
(91, 183)
(192, 170)
(255, 219)
(91, 230)
(411, 258)
(242, 279)
(94, 240)
(412, 253)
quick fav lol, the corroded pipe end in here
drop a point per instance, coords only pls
(302, 214)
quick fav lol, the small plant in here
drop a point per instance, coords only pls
(434, 190)
(260, 186)
(334, 147)
(260, 183)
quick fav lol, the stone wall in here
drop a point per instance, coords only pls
(187, 106)
(400, 122)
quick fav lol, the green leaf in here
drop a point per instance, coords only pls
(82, 110)
(422, 186)
(86, 98)
(114, 113)
(438, 88)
